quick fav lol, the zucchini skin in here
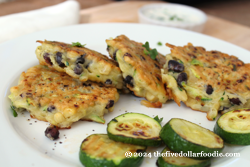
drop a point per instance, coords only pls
(178, 144)
(174, 162)
(154, 141)
(89, 161)
(162, 163)
(232, 138)
(135, 141)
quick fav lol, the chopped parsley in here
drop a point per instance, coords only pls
(159, 43)
(152, 53)
(180, 61)
(134, 73)
(196, 62)
(158, 119)
(13, 110)
(115, 120)
(206, 99)
(179, 88)
(174, 17)
(77, 44)
(98, 76)
(67, 63)
(234, 67)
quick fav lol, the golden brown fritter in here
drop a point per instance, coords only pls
(207, 81)
(80, 62)
(142, 74)
(60, 99)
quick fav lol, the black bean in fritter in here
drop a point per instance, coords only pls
(142, 58)
(52, 132)
(182, 77)
(47, 58)
(28, 94)
(51, 108)
(108, 82)
(80, 60)
(127, 54)
(114, 55)
(129, 80)
(78, 69)
(108, 47)
(235, 101)
(209, 90)
(175, 66)
(157, 66)
(86, 84)
(59, 59)
(110, 104)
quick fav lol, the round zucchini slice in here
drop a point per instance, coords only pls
(184, 136)
(234, 127)
(135, 128)
(168, 160)
(98, 150)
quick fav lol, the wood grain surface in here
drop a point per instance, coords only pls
(126, 11)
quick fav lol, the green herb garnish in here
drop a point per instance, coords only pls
(174, 17)
(179, 88)
(206, 99)
(134, 73)
(234, 68)
(67, 63)
(115, 120)
(77, 44)
(196, 62)
(180, 61)
(222, 98)
(152, 53)
(159, 120)
(13, 110)
(98, 76)
(159, 43)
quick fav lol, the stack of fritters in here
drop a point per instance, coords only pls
(208, 81)
(142, 74)
(60, 99)
(86, 91)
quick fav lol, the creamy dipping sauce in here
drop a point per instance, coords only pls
(170, 15)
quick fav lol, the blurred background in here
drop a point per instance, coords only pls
(233, 10)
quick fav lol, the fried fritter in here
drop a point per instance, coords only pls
(142, 74)
(207, 81)
(80, 62)
(60, 99)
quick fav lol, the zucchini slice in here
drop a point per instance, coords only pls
(135, 128)
(179, 161)
(234, 127)
(97, 150)
(183, 136)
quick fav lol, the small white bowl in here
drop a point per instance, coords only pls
(173, 15)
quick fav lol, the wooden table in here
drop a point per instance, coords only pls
(126, 11)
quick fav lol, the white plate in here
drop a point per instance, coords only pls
(23, 142)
